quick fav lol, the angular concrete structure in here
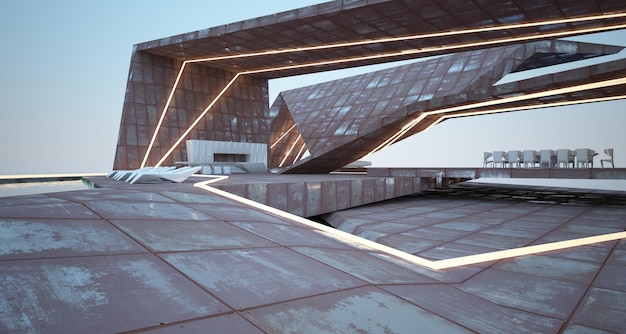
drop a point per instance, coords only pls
(212, 84)
(341, 121)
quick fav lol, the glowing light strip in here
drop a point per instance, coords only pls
(530, 107)
(441, 48)
(433, 49)
(190, 128)
(406, 128)
(528, 250)
(289, 151)
(167, 104)
(538, 106)
(299, 155)
(415, 37)
(281, 137)
(413, 259)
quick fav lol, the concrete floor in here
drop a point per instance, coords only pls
(176, 258)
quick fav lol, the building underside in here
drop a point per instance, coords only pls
(212, 84)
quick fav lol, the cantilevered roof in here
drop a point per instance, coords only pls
(341, 32)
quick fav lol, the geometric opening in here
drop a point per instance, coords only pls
(225, 157)
(544, 59)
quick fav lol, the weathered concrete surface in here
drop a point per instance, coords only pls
(317, 194)
(174, 258)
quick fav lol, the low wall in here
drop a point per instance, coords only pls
(475, 173)
(316, 197)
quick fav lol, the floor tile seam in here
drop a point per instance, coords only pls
(527, 250)
(347, 247)
(338, 234)
(591, 284)
(32, 217)
(350, 274)
(368, 244)
(545, 254)
(83, 201)
(507, 307)
(162, 193)
(83, 204)
(441, 316)
(46, 218)
(556, 228)
(458, 287)
(173, 324)
(500, 224)
(252, 232)
(209, 250)
(617, 224)
(128, 235)
(4, 203)
(443, 221)
(190, 206)
(194, 282)
(78, 256)
(473, 233)
(373, 252)
(486, 266)
(386, 235)
(241, 311)
(155, 252)
(408, 230)
(494, 304)
(567, 323)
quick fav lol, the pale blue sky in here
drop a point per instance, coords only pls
(65, 63)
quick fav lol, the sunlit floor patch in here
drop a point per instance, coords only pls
(437, 264)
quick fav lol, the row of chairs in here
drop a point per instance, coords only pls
(561, 158)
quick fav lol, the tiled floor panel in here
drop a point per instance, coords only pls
(174, 258)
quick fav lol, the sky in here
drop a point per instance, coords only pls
(64, 68)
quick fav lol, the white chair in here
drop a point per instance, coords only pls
(500, 158)
(565, 157)
(547, 158)
(486, 161)
(515, 158)
(609, 152)
(584, 157)
(529, 158)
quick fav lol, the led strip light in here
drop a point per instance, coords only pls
(379, 56)
(289, 151)
(415, 37)
(394, 138)
(190, 128)
(282, 136)
(299, 155)
(547, 105)
(410, 258)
